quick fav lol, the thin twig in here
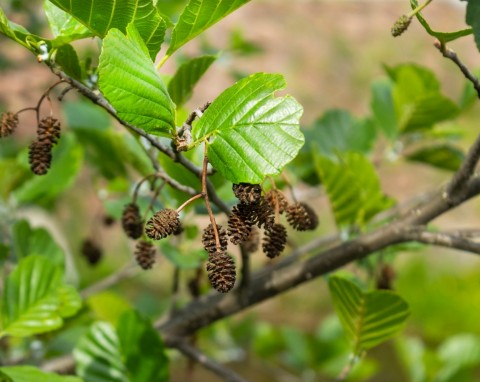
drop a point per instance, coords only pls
(208, 363)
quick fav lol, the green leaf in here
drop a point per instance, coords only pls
(458, 352)
(383, 108)
(35, 241)
(339, 131)
(182, 83)
(32, 374)
(353, 188)
(34, 299)
(66, 57)
(253, 133)
(473, 19)
(368, 318)
(108, 306)
(199, 15)
(18, 33)
(131, 84)
(98, 356)
(132, 353)
(442, 36)
(444, 156)
(142, 349)
(12, 174)
(100, 16)
(66, 164)
(63, 24)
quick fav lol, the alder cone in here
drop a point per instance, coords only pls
(239, 223)
(8, 124)
(91, 251)
(221, 271)
(274, 240)
(263, 215)
(40, 157)
(276, 198)
(247, 193)
(209, 242)
(145, 254)
(162, 224)
(132, 223)
(48, 131)
(302, 217)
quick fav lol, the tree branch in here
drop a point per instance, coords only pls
(193, 353)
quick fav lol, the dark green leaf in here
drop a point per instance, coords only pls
(199, 15)
(35, 300)
(132, 85)
(181, 85)
(443, 156)
(67, 161)
(67, 59)
(473, 19)
(102, 15)
(35, 241)
(338, 131)
(368, 318)
(383, 108)
(353, 188)
(142, 349)
(32, 374)
(253, 134)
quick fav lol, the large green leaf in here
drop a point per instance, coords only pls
(67, 161)
(353, 188)
(131, 84)
(199, 15)
(133, 352)
(181, 85)
(253, 134)
(338, 131)
(63, 24)
(473, 19)
(32, 374)
(368, 318)
(142, 349)
(35, 300)
(35, 241)
(102, 15)
(444, 156)
(98, 356)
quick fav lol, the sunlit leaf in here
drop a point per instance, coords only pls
(63, 24)
(32, 374)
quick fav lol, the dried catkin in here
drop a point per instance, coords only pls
(132, 223)
(276, 199)
(209, 242)
(162, 224)
(48, 131)
(145, 254)
(239, 224)
(8, 124)
(221, 271)
(302, 217)
(274, 240)
(247, 193)
(39, 157)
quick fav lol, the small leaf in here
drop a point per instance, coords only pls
(253, 133)
(353, 188)
(66, 57)
(199, 15)
(35, 241)
(444, 156)
(473, 19)
(368, 318)
(181, 85)
(131, 84)
(34, 299)
(98, 356)
(32, 374)
(383, 108)
(102, 15)
(18, 33)
(142, 349)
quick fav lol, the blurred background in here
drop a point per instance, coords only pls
(330, 53)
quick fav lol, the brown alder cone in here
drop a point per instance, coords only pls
(132, 223)
(277, 198)
(162, 224)
(239, 223)
(40, 157)
(263, 216)
(221, 271)
(145, 254)
(209, 242)
(48, 131)
(274, 240)
(8, 124)
(247, 193)
(91, 251)
(252, 242)
(302, 217)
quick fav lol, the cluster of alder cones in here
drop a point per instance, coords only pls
(40, 150)
(255, 210)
